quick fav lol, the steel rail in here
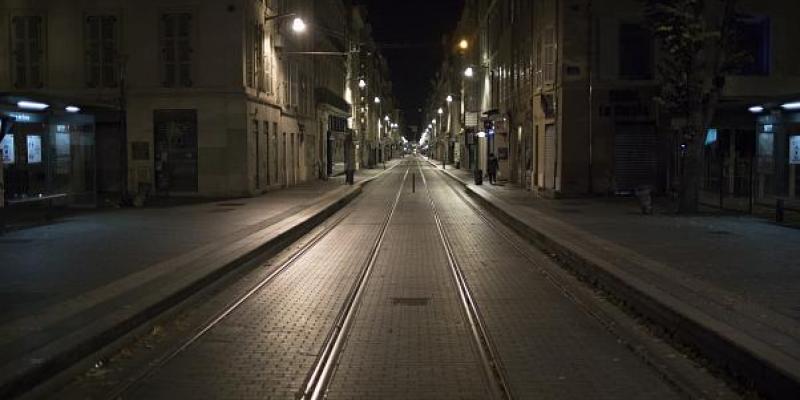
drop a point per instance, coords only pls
(493, 368)
(233, 306)
(317, 381)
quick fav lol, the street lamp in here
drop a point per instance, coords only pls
(463, 44)
(377, 100)
(449, 98)
(362, 84)
(440, 111)
(298, 25)
(469, 72)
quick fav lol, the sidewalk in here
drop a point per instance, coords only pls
(72, 286)
(726, 284)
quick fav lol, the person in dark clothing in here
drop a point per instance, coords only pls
(492, 168)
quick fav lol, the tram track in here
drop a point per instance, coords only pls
(331, 347)
(316, 383)
(490, 360)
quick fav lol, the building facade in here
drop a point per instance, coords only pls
(566, 98)
(212, 99)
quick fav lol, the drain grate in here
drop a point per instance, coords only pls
(410, 301)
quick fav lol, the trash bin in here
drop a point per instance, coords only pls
(478, 175)
(645, 195)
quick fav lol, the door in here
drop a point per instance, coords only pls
(550, 156)
(175, 141)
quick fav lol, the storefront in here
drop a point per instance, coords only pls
(778, 150)
(48, 152)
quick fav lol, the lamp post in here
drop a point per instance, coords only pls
(444, 150)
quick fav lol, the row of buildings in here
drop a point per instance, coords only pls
(562, 92)
(186, 98)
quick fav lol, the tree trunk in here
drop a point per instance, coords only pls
(689, 201)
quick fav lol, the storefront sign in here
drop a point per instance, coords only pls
(794, 149)
(34, 149)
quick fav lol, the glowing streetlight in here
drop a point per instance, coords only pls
(362, 84)
(386, 118)
(377, 100)
(463, 44)
(449, 98)
(433, 121)
(469, 72)
(440, 111)
(298, 25)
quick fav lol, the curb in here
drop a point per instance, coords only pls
(755, 361)
(22, 376)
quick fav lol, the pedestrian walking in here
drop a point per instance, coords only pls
(492, 168)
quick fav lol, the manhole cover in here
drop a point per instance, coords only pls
(230, 204)
(410, 301)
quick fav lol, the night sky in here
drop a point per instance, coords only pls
(419, 26)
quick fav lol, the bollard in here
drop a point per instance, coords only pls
(413, 182)
(779, 211)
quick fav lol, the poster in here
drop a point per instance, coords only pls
(7, 149)
(34, 149)
(794, 149)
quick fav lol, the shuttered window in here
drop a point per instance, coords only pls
(101, 51)
(549, 67)
(176, 49)
(27, 58)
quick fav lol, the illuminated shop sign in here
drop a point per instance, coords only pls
(34, 149)
(7, 149)
(794, 149)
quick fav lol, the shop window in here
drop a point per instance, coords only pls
(635, 52)
(755, 44)
(176, 49)
(27, 51)
(101, 51)
(7, 149)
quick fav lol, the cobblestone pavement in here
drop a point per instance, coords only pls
(265, 349)
(410, 338)
(550, 348)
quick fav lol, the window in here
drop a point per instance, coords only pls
(635, 52)
(549, 56)
(101, 51)
(27, 58)
(258, 51)
(755, 43)
(176, 49)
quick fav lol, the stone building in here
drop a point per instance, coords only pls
(212, 98)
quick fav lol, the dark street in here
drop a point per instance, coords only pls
(385, 199)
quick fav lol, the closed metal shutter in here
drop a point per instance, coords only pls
(549, 156)
(635, 161)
